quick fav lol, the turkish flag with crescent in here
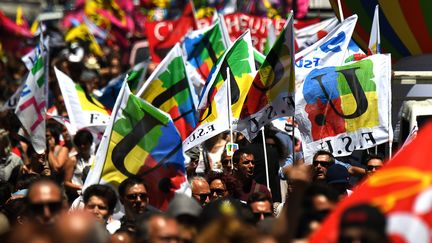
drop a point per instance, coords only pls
(402, 189)
(163, 35)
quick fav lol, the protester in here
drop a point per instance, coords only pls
(223, 185)
(8, 160)
(200, 190)
(373, 163)
(260, 205)
(100, 200)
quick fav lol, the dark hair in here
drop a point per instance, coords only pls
(102, 191)
(128, 182)
(83, 136)
(316, 189)
(239, 152)
(374, 156)
(55, 129)
(324, 152)
(232, 185)
(5, 191)
(258, 197)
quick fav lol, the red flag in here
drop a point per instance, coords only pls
(163, 35)
(402, 190)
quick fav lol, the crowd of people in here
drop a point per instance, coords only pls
(249, 196)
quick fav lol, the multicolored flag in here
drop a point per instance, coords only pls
(401, 189)
(82, 32)
(31, 108)
(214, 109)
(12, 102)
(328, 51)
(168, 89)
(271, 37)
(272, 92)
(163, 35)
(203, 48)
(30, 58)
(374, 46)
(140, 141)
(135, 78)
(83, 109)
(345, 108)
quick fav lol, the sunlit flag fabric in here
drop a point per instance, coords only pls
(31, 108)
(375, 36)
(135, 79)
(272, 92)
(140, 141)
(239, 59)
(401, 189)
(307, 36)
(328, 51)
(203, 48)
(168, 89)
(84, 110)
(344, 108)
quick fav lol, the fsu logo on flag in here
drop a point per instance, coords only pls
(341, 99)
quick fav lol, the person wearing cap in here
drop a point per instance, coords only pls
(338, 177)
(363, 223)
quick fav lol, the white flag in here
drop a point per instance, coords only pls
(375, 39)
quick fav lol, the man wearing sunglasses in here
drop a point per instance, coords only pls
(322, 160)
(200, 190)
(373, 163)
(135, 199)
(45, 201)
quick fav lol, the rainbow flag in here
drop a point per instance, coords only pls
(168, 88)
(203, 48)
(215, 113)
(140, 141)
(272, 92)
(83, 109)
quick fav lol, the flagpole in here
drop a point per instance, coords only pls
(229, 110)
(265, 158)
(340, 11)
(390, 130)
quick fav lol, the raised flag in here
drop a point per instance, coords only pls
(345, 108)
(401, 189)
(140, 141)
(163, 35)
(31, 108)
(272, 92)
(168, 89)
(271, 37)
(83, 109)
(328, 51)
(374, 46)
(239, 61)
(135, 78)
(11, 103)
(203, 48)
(30, 58)
(82, 32)
(309, 35)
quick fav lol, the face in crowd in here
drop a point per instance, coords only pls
(218, 189)
(373, 165)
(261, 209)
(246, 165)
(45, 202)
(320, 164)
(135, 200)
(200, 191)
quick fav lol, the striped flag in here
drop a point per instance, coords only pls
(272, 92)
(168, 88)
(31, 108)
(140, 141)
(84, 110)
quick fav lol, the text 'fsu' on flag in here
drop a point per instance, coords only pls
(140, 141)
(345, 108)
(272, 92)
(402, 189)
(168, 89)
(83, 109)
(237, 67)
